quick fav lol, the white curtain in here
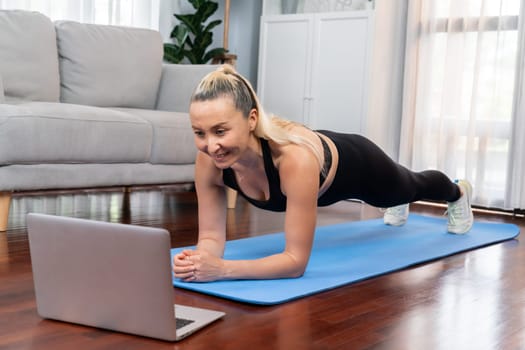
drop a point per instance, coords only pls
(386, 75)
(515, 197)
(134, 13)
(460, 67)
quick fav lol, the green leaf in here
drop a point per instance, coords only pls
(212, 25)
(172, 53)
(197, 3)
(173, 33)
(191, 57)
(204, 40)
(180, 33)
(188, 21)
(214, 53)
(206, 10)
(192, 37)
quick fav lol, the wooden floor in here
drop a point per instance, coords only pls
(474, 300)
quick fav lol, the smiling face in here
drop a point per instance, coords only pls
(222, 131)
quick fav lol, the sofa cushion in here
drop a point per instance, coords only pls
(2, 97)
(43, 132)
(178, 83)
(52, 176)
(172, 136)
(109, 66)
(28, 56)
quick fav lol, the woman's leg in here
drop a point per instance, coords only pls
(386, 183)
(367, 173)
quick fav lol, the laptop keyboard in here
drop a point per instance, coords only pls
(181, 322)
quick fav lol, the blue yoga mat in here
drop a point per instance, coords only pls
(349, 252)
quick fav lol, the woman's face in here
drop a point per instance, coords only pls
(221, 131)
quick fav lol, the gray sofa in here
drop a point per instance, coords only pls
(86, 105)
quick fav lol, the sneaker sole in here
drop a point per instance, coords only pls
(468, 189)
(394, 223)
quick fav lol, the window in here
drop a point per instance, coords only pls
(465, 71)
(137, 13)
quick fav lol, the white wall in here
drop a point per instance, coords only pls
(166, 20)
(244, 36)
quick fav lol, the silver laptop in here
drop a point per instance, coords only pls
(111, 276)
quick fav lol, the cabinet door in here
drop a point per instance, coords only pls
(284, 61)
(340, 71)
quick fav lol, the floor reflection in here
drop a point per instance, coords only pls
(472, 308)
(4, 253)
(117, 205)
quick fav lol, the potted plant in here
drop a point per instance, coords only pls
(192, 36)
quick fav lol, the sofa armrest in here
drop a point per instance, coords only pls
(177, 84)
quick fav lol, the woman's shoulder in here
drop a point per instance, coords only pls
(294, 153)
(298, 132)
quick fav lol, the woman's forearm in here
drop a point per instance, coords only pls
(203, 266)
(282, 265)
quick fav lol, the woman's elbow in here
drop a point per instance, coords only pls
(297, 274)
(298, 271)
(296, 266)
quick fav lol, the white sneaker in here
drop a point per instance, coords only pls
(396, 216)
(460, 217)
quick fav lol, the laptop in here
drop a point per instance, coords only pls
(106, 275)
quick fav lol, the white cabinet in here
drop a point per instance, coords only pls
(314, 68)
(284, 60)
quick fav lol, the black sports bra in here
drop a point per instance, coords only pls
(276, 200)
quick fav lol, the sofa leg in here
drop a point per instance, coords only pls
(5, 200)
(231, 198)
(126, 206)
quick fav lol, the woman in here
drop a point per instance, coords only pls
(283, 166)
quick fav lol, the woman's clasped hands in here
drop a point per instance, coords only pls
(197, 266)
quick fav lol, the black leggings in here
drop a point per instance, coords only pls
(365, 172)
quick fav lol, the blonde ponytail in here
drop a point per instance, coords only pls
(225, 81)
